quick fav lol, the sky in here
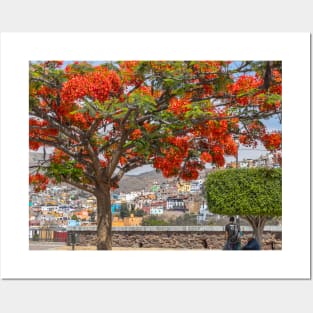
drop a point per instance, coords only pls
(243, 153)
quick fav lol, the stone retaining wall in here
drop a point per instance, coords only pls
(205, 237)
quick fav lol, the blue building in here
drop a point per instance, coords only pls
(116, 207)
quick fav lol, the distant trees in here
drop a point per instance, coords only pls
(153, 220)
(254, 193)
(74, 217)
(185, 220)
(139, 213)
(92, 217)
(124, 211)
(161, 220)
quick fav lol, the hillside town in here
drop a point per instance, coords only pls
(60, 206)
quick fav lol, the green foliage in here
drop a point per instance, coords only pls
(35, 237)
(153, 220)
(185, 220)
(124, 211)
(74, 218)
(139, 213)
(253, 191)
(65, 170)
(93, 217)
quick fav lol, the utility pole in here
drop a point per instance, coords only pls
(236, 139)
(237, 164)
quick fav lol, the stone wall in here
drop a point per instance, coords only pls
(179, 237)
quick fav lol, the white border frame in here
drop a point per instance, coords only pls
(17, 261)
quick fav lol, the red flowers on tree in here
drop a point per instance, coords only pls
(272, 141)
(39, 182)
(98, 85)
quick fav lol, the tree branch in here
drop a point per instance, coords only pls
(117, 153)
(54, 85)
(87, 188)
(93, 127)
(130, 166)
(69, 131)
(76, 156)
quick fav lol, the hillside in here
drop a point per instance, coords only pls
(34, 157)
(140, 182)
(128, 183)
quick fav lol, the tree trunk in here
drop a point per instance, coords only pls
(104, 218)
(257, 223)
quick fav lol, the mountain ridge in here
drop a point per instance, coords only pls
(130, 182)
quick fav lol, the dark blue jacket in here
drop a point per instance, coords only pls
(252, 245)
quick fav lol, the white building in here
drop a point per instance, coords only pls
(175, 204)
(156, 211)
(195, 185)
(204, 213)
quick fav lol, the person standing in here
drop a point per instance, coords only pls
(232, 235)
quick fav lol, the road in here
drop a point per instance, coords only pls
(45, 245)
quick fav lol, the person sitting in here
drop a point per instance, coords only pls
(252, 244)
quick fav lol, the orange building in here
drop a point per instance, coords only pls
(83, 214)
(117, 222)
(132, 220)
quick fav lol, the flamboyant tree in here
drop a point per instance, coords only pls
(105, 120)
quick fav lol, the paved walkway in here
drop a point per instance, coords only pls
(46, 245)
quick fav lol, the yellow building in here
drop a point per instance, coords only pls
(132, 220)
(117, 222)
(83, 214)
(193, 206)
(183, 187)
(127, 221)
